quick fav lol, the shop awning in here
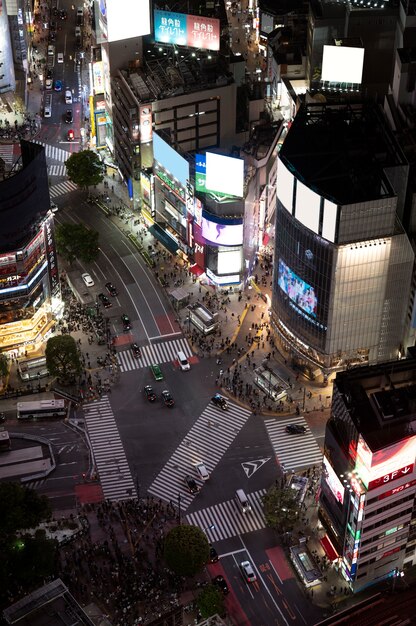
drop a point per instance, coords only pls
(158, 232)
(266, 239)
(196, 270)
(329, 549)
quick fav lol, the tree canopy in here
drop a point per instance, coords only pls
(85, 168)
(210, 601)
(21, 507)
(75, 241)
(62, 357)
(186, 550)
(281, 508)
(4, 365)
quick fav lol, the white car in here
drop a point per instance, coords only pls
(248, 572)
(48, 83)
(88, 280)
(60, 57)
(202, 471)
(54, 208)
(68, 96)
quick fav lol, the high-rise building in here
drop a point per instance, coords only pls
(368, 485)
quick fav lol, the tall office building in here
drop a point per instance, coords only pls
(368, 483)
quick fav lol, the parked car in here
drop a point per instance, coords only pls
(167, 398)
(149, 393)
(220, 582)
(191, 484)
(126, 322)
(105, 301)
(247, 572)
(111, 289)
(87, 280)
(295, 429)
(220, 401)
(136, 350)
(202, 471)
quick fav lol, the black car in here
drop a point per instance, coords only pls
(63, 15)
(149, 393)
(219, 401)
(104, 300)
(2, 416)
(295, 429)
(126, 322)
(111, 289)
(220, 582)
(191, 484)
(167, 398)
(213, 555)
(136, 350)
(68, 116)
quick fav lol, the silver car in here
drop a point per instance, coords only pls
(88, 280)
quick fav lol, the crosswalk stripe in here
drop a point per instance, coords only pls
(57, 170)
(6, 152)
(53, 152)
(228, 520)
(62, 188)
(207, 441)
(110, 459)
(295, 452)
(154, 353)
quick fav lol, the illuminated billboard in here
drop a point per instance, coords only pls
(194, 31)
(342, 64)
(298, 291)
(146, 129)
(386, 465)
(221, 233)
(333, 482)
(124, 19)
(220, 174)
(98, 77)
(229, 262)
(170, 160)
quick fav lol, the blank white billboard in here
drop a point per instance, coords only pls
(224, 174)
(341, 64)
(284, 186)
(308, 204)
(330, 220)
(124, 19)
(229, 262)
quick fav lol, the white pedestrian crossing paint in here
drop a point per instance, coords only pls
(227, 519)
(62, 188)
(207, 441)
(6, 152)
(53, 152)
(114, 472)
(57, 170)
(162, 352)
(295, 452)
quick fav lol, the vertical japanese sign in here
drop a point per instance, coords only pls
(52, 260)
(145, 123)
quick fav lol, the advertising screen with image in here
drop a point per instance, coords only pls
(222, 234)
(298, 291)
(124, 19)
(342, 64)
(194, 31)
(333, 481)
(219, 174)
(170, 160)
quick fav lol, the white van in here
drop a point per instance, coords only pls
(47, 109)
(51, 50)
(183, 362)
(243, 503)
(68, 96)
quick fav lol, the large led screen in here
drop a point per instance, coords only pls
(385, 465)
(219, 174)
(333, 481)
(222, 234)
(341, 64)
(330, 220)
(124, 19)
(284, 186)
(302, 294)
(173, 162)
(308, 204)
(180, 29)
(229, 262)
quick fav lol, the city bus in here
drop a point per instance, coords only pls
(41, 409)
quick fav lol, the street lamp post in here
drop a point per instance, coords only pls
(179, 508)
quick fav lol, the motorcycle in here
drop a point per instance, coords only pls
(220, 402)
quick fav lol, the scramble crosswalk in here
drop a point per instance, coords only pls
(155, 353)
(294, 452)
(6, 153)
(53, 152)
(62, 188)
(57, 170)
(111, 462)
(207, 441)
(225, 520)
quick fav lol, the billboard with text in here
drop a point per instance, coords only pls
(194, 31)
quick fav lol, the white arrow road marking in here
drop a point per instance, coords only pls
(250, 467)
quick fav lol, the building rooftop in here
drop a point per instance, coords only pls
(381, 400)
(341, 151)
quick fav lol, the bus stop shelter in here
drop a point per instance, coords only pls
(179, 298)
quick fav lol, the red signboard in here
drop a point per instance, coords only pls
(391, 476)
(392, 492)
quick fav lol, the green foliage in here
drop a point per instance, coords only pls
(75, 241)
(186, 550)
(21, 508)
(210, 601)
(32, 559)
(85, 168)
(4, 365)
(62, 357)
(281, 509)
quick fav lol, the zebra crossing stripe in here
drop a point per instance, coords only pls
(53, 152)
(57, 170)
(62, 188)
(154, 353)
(207, 441)
(6, 152)
(227, 519)
(295, 452)
(111, 462)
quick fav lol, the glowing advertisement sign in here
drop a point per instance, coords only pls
(145, 123)
(209, 174)
(386, 465)
(194, 31)
(173, 162)
(395, 490)
(124, 19)
(333, 481)
(222, 234)
(98, 77)
(300, 292)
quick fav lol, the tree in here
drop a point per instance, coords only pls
(76, 241)
(281, 508)
(85, 168)
(186, 550)
(62, 357)
(4, 365)
(210, 601)
(21, 507)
